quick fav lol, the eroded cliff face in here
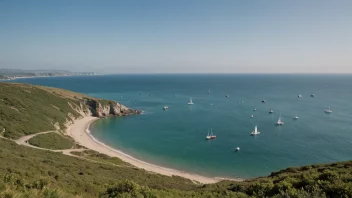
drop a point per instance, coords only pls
(96, 108)
(108, 108)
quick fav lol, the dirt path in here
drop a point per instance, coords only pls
(24, 142)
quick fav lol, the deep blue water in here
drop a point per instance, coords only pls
(176, 138)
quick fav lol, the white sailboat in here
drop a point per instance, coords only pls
(296, 117)
(209, 91)
(190, 101)
(328, 110)
(252, 116)
(210, 135)
(271, 111)
(166, 107)
(255, 132)
(237, 149)
(279, 122)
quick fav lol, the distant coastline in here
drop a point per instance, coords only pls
(13, 74)
(79, 131)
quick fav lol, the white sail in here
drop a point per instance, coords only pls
(190, 101)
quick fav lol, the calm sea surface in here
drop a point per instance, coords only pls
(176, 138)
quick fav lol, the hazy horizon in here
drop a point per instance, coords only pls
(178, 37)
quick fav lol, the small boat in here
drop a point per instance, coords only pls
(299, 96)
(295, 118)
(271, 111)
(279, 122)
(211, 104)
(254, 109)
(190, 102)
(263, 101)
(255, 132)
(209, 91)
(227, 96)
(328, 110)
(166, 107)
(312, 95)
(237, 149)
(150, 95)
(210, 135)
(252, 116)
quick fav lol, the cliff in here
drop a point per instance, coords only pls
(104, 108)
(27, 109)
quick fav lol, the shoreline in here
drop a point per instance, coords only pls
(79, 131)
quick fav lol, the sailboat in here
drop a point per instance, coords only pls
(252, 116)
(255, 132)
(190, 101)
(271, 111)
(296, 117)
(279, 122)
(209, 91)
(328, 110)
(210, 135)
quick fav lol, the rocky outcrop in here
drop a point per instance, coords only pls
(103, 108)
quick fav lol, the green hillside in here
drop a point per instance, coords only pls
(28, 172)
(27, 109)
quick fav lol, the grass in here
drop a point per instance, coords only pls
(52, 141)
(72, 175)
(96, 156)
(27, 109)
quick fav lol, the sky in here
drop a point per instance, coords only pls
(183, 36)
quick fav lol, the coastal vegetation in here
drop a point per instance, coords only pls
(93, 155)
(53, 141)
(29, 172)
(27, 109)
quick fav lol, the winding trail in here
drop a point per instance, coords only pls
(24, 142)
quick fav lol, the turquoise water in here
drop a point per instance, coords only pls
(176, 138)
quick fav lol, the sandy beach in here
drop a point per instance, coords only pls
(80, 132)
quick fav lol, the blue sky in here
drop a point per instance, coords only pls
(185, 36)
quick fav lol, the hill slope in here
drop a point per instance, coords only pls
(27, 109)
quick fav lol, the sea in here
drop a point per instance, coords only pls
(175, 138)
